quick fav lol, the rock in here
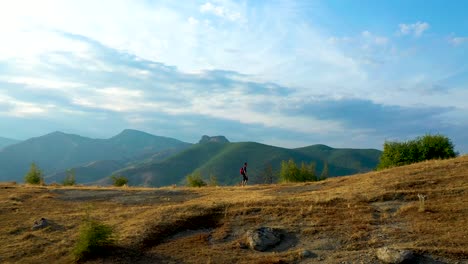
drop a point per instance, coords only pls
(307, 254)
(216, 139)
(41, 223)
(393, 256)
(263, 238)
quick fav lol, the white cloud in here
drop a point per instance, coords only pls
(220, 11)
(40, 83)
(458, 40)
(415, 29)
(379, 40)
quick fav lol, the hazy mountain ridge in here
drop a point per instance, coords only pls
(5, 142)
(58, 151)
(157, 161)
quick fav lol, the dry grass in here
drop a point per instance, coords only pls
(340, 219)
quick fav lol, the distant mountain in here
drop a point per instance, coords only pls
(87, 174)
(58, 151)
(4, 142)
(223, 159)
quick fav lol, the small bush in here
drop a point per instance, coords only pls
(119, 180)
(34, 175)
(70, 178)
(94, 239)
(195, 180)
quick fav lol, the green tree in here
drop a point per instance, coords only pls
(325, 173)
(291, 173)
(119, 180)
(422, 148)
(70, 179)
(34, 175)
(195, 180)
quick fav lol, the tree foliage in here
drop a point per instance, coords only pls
(118, 180)
(195, 180)
(94, 239)
(422, 148)
(291, 173)
(34, 175)
(70, 178)
(325, 172)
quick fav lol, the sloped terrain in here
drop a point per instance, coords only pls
(339, 220)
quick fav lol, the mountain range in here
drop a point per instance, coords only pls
(4, 142)
(151, 160)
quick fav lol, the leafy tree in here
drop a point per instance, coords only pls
(422, 148)
(325, 172)
(118, 180)
(34, 175)
(195, 180)
(69, 178)
(291, 173)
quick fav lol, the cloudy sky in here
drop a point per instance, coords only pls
(286, 73)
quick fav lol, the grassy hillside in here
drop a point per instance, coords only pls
(339, 220)
(57, 151)
(224, 160)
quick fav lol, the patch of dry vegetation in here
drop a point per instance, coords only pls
(340, 219)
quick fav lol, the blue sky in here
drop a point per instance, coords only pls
(286, 73)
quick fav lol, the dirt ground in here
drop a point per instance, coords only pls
(339, 220)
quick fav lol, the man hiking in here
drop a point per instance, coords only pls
(243, 172)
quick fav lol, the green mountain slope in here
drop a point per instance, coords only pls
(224, 160)
(56, 152)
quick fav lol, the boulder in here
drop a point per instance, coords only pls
(393, 256)
(263, 238)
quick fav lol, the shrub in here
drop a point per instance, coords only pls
(419, 149)
(94, 239)
(69, 178)
(118, 180)
(34, 175)
(213, 180)
(325, 172)
(291, 173)
(195, 180)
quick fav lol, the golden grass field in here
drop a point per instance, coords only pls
(339, 220)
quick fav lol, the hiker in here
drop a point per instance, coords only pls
(243, 172)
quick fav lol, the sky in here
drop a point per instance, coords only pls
(286, 73)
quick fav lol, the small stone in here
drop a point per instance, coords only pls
(306, 253)
(41, 223)
(393, 256)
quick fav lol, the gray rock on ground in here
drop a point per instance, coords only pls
(263, 238)
(41, 223)
(393, 256)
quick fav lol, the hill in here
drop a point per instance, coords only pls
(223, 159)
(58, 151)
(339, 220)
(4, 142)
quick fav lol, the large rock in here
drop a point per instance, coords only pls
(263, 238)
(393, 256)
